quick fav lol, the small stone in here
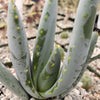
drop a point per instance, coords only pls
(8, 94)
(79, 84)
(5, 98)
(1, 96)
(15, 98)
(74, 97)
(76, 91)
(68, 98)
(32, 99)
(97, 88)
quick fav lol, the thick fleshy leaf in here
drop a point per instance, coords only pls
(45, 38)
(84, 66)
(19, 48)
(12, 83)
(49, 74)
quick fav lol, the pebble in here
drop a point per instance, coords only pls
(15, 98)
(32, 99)
(5, 98)
(68, 98)
(97, 88)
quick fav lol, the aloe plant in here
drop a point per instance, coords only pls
(43, 78)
